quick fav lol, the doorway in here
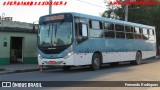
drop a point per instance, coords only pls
(16, 50)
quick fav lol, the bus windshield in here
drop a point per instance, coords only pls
(55, 34)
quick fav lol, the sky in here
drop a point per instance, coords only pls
(31, 14)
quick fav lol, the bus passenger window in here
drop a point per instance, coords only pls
(109, 30)
(145, 35)
(95, 24)
(129, 35)
(137, 33)
(109, 34)
(136, 30)
(151, 36)
(153, 32)
(108, 26)
(140, 30)
(129, 32)
(120, 35)
(119, 28)
(90, 24)
(83, 31)
(101, 25)
(128, 29)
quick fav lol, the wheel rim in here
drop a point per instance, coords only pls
(138, 58)
(96, 63)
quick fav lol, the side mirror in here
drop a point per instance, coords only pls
(79, 39)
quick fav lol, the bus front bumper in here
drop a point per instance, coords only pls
(57, 61)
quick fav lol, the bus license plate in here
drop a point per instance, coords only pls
(52, 62)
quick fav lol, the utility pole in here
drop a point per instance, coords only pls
(126, 13)
(50, 7)
(2, 19)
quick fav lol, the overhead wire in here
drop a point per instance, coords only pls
(91, 4)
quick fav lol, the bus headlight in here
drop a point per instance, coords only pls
(39, 56)
(68, 55)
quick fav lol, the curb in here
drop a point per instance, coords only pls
(18, 71)
(21, 71)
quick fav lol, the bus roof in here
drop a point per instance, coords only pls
(106, 19)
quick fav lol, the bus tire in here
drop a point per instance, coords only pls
(138, 59)
(66, 68)
(96, 62)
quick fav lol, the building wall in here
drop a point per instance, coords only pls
(17, 24)
(29, 47)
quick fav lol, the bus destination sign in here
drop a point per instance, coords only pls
(52, 18)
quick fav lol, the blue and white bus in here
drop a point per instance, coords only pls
(75, 39)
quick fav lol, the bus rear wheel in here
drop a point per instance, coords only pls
(96, 62)
(138, 59)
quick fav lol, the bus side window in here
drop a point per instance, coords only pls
(82, 32)
(119, 28)
(151, 34)
(82, 28)
(129, 32)
(145, 35)
(109, 30)
(90, 24)
(137, 33)
(119, 31)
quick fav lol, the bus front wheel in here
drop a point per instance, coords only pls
(138, 59)
(96, 62)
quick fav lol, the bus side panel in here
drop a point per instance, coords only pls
(83, 58)
(118, 56)
(148, 54)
